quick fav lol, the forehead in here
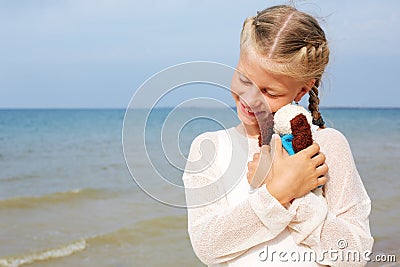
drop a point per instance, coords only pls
(260, 70)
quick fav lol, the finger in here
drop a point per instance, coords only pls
(321, 180)
(311, 150)
(265, 155)
(256, 156)
(322, 170)
(319, 159)
(249, 177)
(284, 152)
(251, 166)
(276, 145)
(250, 172)
(253, 180)
(265, 149)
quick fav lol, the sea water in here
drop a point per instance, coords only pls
(67, 197)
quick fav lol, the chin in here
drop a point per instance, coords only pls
(246, 120)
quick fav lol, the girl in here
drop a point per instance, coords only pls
(283, 53)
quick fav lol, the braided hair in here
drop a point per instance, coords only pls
(313, 106)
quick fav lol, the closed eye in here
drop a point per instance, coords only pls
(266, 92)
(245, 82)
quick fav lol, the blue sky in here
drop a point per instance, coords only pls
(96, 53)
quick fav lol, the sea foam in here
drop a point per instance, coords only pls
(63, 251)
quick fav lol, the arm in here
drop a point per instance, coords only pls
(219, 232)
(343, 214)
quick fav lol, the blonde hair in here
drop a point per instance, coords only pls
(294, 43)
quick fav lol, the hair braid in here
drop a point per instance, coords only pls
(313, 105)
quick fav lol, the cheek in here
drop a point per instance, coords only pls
(235, 96)
(236, 90)
(273, 107)
(275, 104)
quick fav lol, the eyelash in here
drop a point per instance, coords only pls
(245, 82)
(265, 91)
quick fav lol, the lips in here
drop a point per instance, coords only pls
(246, 110)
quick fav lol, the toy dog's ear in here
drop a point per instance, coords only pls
(301, 130)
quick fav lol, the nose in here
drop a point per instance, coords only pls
(253, 98)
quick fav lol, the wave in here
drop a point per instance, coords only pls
(18, 178)
(139, 234)
(58, 197)
(63, 251)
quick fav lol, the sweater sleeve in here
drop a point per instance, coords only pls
(220, 232)
(339, 221)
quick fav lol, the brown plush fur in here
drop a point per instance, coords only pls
(301, 130)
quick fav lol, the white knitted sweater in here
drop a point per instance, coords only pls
(230, 227)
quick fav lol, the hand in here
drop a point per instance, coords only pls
(294, 176)
(259, 167)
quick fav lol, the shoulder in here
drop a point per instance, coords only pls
(331, 136)
(332, 141)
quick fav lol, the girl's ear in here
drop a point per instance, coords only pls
(304, 90)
